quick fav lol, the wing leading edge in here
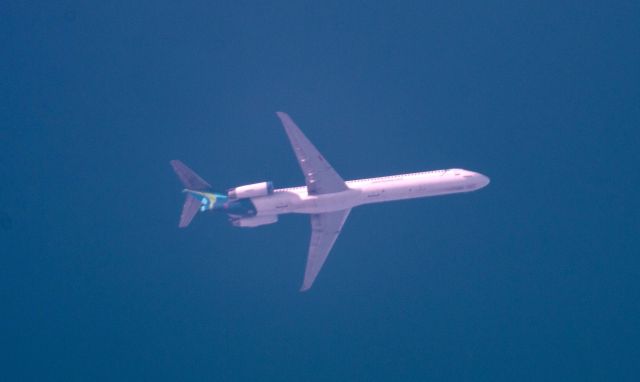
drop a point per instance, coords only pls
(319, 176)
(325, 229)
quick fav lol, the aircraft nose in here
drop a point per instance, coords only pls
(483, 180)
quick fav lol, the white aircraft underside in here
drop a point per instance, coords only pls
(372, 190)
(326, 196)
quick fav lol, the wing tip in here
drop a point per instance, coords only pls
(284, 117)
(308, 281)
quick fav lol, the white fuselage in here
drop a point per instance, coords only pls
(371, 190)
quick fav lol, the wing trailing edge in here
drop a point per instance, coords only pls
(319, 176)
(325, 229)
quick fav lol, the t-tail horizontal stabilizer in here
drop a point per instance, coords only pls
(188, 177)
(189, 210)
(192, 181)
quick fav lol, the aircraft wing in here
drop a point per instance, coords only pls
(325, 229)
(319, 176)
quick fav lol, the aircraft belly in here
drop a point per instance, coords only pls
(276, 203)
(294, 201)
(316, 204)
(284, 202)
(419, 187)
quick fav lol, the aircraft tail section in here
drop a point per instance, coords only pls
(188, 177)
(192, 181)
(189, 210)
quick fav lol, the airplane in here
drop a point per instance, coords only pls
(326, 197)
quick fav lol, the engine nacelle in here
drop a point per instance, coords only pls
(255, 221)
(251, 190)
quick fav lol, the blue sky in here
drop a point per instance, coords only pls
(532, 278)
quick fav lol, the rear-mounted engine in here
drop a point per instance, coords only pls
(251, 190)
